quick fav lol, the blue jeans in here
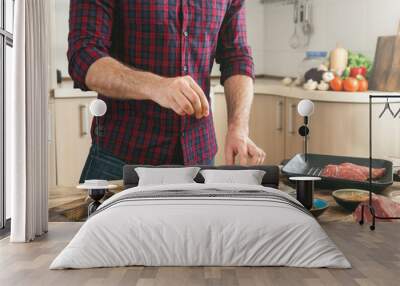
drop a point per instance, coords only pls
(104, 166)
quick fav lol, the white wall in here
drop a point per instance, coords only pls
(60, 39)
(255, 34)
(355, 24)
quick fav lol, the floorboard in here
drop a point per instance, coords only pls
(375, 257)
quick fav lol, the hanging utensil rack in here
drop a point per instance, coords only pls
(369, 205)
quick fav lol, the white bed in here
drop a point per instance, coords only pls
(246, 225)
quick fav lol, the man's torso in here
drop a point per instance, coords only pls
(168, 38)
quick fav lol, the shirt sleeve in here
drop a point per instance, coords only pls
(89, 39)
(233, 53)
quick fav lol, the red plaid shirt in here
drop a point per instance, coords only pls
(169, 38)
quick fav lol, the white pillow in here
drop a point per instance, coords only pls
(166, 176)
(247, 177)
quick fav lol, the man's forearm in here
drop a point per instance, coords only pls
(113, 79)
(239, 91)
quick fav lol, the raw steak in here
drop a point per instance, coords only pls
(352, 172)
(384, 207)
(376, 172)
(344, 172)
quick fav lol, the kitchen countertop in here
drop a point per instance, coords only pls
(263, 85)
(275, 87)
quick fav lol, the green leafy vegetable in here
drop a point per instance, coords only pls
(346, 72)
(359, 60)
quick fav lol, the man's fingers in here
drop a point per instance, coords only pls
(229, 156)
(243, 156)
(254, 155)
(244, 149)
(184, 103)
(263, 157)
(187, 94)
(205, 106)
(194, 99)
(176, 108)
(202, 96)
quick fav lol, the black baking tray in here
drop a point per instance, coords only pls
(297, 166)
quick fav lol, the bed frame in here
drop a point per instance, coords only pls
(270, 179)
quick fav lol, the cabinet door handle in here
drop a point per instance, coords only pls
(83, 109)
(279, 116)
(291, 118)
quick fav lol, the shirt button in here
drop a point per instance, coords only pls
(185, 68)
(185, 33)
(183, 134)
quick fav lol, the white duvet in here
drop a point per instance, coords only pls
(200, 231)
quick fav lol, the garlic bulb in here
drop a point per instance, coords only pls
(323, 86)
(310, 85)
(287, 81)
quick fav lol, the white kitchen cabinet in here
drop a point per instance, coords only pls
(266, 126)
(336, 128)
(72, 121)
(52, 174)
(343, 129)
(220, 123)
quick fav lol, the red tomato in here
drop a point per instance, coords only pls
(364, 71)
(362, 85)
(350, 84)
(337, 84)
(354, 72)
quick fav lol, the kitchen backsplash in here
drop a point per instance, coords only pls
(355, 24)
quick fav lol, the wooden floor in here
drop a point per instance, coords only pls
(375, 257)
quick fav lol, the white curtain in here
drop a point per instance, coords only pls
(26, 122)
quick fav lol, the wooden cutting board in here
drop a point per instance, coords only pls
(386, 71)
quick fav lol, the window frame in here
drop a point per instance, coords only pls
(6, 39)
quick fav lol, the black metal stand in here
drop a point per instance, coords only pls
(305, 192)
(304, 131)
(96, 195)
(369, 204)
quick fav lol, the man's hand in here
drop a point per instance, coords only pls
(239, 96)
(238, 144)
(183, 95)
